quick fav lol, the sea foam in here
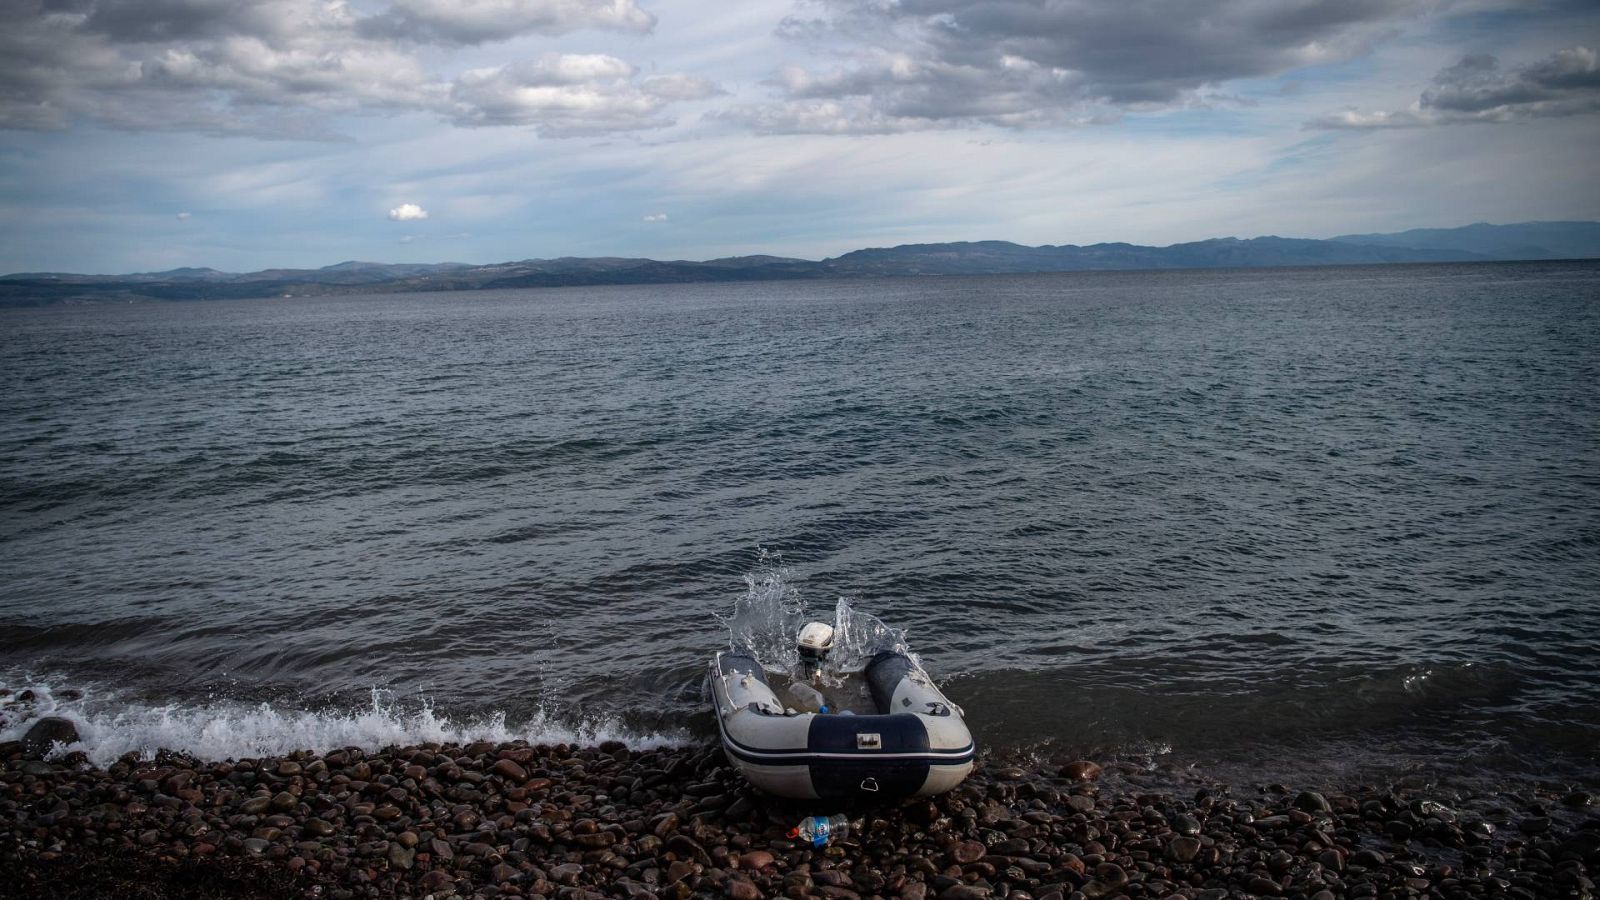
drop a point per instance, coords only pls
(110, 728)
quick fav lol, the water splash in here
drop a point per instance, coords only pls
(859, 636)
(770, 613)
(766, 618)
(109, 727)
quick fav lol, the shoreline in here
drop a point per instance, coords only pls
(582, 823)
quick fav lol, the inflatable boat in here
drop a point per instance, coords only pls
(916, 745)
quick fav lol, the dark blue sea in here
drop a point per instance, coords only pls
(1313, 524)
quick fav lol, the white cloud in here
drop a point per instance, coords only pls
(407, 212)
(183, 217)
(653, 217)
(680, 87)
(565, 94)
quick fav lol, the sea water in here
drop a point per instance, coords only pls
(1307, 523)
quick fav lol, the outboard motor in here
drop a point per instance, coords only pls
(815, 640)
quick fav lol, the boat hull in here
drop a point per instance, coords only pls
(918, 746)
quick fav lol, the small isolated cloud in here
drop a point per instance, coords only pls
(1476, 89)
(653, 217)
(183, 217)
(408, 239)
(407, 212)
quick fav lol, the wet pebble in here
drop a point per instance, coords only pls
(577, 823)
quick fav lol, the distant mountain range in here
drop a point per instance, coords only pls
(1473, 243)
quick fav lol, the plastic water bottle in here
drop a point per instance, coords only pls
(820, 831)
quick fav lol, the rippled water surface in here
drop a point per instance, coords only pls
(1299, 520)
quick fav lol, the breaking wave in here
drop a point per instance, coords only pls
(110, 728)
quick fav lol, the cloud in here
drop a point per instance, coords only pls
(653, 217)
(1476, 89)
(183, 217)
(289, 68)
(566, 94)
(407, 212)
(931, 63)
(481, 21)
(673, 88)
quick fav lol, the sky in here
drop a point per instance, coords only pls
(144, 135)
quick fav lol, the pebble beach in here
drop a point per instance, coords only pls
(582, 823)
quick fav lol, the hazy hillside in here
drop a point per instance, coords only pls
(1529, 241)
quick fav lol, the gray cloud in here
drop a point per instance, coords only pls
(153, 21)
(1022, 63)
(1476, 89)
(282, 68)
(481, 21)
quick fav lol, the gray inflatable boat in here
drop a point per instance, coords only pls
(916, 745)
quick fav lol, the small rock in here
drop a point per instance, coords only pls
(677, 870)
(830, 877)
(46, 733)
(1081, 770)
(510, 771)
(597, 841)
(1312, 802)
(1110, 873)
(739, 889)
(1183, 849)
(664, 825)
(1370, 859)
(755, 860)
(739, 809)
(1263, 886)
(401, 856)
(967, 852)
